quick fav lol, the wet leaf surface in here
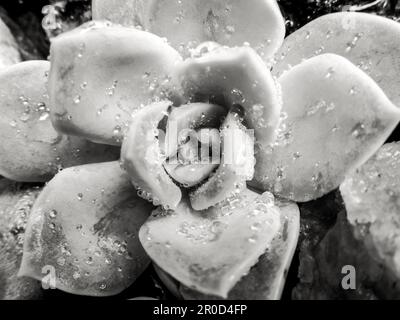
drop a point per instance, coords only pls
(336, 117)
(188, 23)
(31, 150)
(211, 250)
(84, 226)
(100, 77)
(265, 280)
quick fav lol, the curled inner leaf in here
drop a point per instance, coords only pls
(236, 167)
(188, 117)
(142, 158)
(190, 171)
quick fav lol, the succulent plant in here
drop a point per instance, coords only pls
(125, 121)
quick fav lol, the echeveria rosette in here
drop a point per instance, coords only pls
(116, 85)
(219, 213)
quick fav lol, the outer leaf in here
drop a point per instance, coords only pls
(85, 225)
(211, 250)
(370, 42)
(337, 117)
(15, 206)
(102, 74)
(9, 53)
(30, 148)
(320, 269)
(265, 281)
(190, 22)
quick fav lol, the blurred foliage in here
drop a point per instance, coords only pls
(300, 12)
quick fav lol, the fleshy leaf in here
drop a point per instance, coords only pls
(30, 148)
(189, 175)
(189, 22)
(125, 12)
(235, 76)
(16, 201)
(102, 74)
(368, 41)
(236, 167)
(85, 226)
(141, 157)
(336, 117)
(265, 280)
(9, 53)
(211, 250)
(371, 196)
